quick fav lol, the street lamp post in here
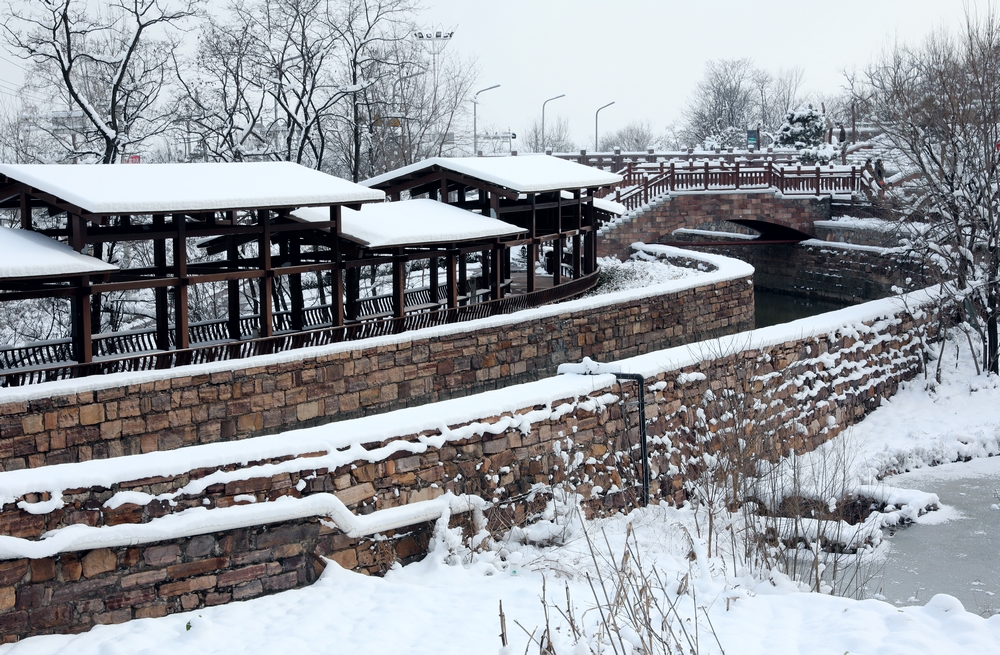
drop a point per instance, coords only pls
(475, 105)
(562, 95)
(595, 121)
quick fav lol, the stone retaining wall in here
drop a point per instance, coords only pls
(174, 410)
(798, 392)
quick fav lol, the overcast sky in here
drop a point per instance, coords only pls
(648, 55)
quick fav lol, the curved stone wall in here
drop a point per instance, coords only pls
(127, 414)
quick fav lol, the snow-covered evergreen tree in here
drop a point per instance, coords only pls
(803, 128)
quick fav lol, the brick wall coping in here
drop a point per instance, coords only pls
(725, 269)
(329, 445)
(881, 250)
(842, 321)
(197, 521)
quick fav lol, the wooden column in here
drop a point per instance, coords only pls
(450, 278)
(233, 290)
(557, 253)
(25, 212)
(434, 281)
(181, 336)
(496, 270)
(485, 273)
(398, 289)
(463, 279)
(353, 291)
(161, 294)
(337, 274)
(295, 284)
(533, 245)
(83, 343)
(265, 325)
(576, 256)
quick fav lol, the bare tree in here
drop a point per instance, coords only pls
(557, 137)
(636, 135)
(939, 106)
(734, 96)
(109, 70)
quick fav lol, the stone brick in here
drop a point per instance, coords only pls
(161, 555)
(130, 598)
(197, 567)
(43, 569)
(251, 589)
(91, 414)
(143, 578)
(244, 574)
(99, 561)
(51, 617)
(356, 494)
(12, 571)
(8, 597)
(187, 586)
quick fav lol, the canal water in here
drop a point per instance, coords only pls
(956, 550)
(772, 307)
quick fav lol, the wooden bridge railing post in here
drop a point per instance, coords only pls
(818, 192)
(706, 175)
(737, 173)
(673, 178)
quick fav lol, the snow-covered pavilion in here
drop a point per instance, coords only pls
(245, 236)
(552, 199)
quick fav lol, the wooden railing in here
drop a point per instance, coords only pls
(617, 160)
(643, 182)
(47, 361)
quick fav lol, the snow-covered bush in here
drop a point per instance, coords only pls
(803, 128)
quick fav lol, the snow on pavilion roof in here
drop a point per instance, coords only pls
(523, 173)
(411, 223)
(27, 254)
(167, 188)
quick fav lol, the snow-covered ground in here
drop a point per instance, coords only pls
(449, 602)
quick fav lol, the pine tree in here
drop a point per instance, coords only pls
(803, 128)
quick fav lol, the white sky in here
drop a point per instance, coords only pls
(648, 55)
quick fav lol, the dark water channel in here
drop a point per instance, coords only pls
(773, 307)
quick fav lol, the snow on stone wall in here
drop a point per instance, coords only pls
(164, 532)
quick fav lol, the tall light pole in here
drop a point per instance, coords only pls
(561, 95)
(475, 104)
(595, 121)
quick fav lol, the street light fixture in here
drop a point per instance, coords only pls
(595, 121)
(475, 104)
(562, 95)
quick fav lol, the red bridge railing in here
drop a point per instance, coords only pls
(643, 182)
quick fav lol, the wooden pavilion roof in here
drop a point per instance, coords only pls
(177, 188)
(27, 255)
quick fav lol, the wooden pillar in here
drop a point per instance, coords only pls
(557, 253)
(265, 325)
(25, 212)
(434, 281)
(398, 289)
(485, 274)
(161, 293)
(353, 291)
(443, 191)
(181, 336)
(450, 279)
(496, 272)
(463, 279)
(533, 245)
(233, 291)
(83, 343)
(337, 274)
(576, 256)
(295, 284)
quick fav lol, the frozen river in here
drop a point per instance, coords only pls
(956, 550)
